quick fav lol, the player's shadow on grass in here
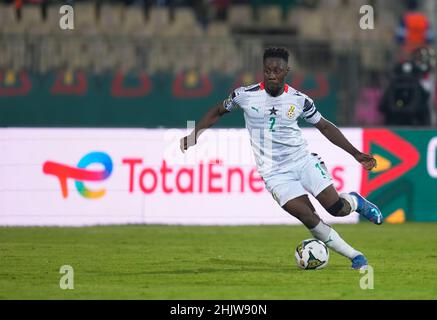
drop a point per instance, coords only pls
(228, 265)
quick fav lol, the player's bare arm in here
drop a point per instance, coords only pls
(333, 134)
(208, 120)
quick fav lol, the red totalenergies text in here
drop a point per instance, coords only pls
(210, 177)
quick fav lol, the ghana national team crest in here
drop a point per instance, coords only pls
(290, 112)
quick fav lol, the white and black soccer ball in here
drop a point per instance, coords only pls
(311, 254)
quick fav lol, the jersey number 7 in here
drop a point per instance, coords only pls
(272, 124)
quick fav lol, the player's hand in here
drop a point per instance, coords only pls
(187, 142)
(368, 161)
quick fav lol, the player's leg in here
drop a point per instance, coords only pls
(333, 203)
(292, 197)
(345, 203)
(364, 207)
(317, 180)
(302, 208)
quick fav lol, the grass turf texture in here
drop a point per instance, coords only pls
(179, 262)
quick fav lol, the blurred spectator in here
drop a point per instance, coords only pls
(424, 59)
(414, 29)
(201, 10)
(221, 9)
(19, 5)
(407, 99)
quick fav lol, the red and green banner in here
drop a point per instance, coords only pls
(77, 99)
(404, 183)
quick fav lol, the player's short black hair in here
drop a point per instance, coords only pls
(276, 52)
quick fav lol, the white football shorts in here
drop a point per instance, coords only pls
(307, 175)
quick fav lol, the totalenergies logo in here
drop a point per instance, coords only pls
(81, 174)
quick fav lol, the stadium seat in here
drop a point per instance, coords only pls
(7, 14)
(384, 32)
(134, 23)
(8, 20)
(48, 55)
(231, 61)
(158, 21)
(85, 18)
(374, 58)
(52, 19)
(270, 16)
(208, 55)
(218, 29)
(159, 56)
(101, 56)
(184, 24)
(184, 16)
(223, 57)
(72, 52)
(124, 58)
(183, 60)
(309, 23)
(31, 18)
(110, 19)
(13, 48)
(14, 55)
(329, 4)
(240, 16)
(376, 44)
(341, 25)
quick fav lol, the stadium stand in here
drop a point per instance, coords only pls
(324, 37)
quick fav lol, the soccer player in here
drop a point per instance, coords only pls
(271, 110)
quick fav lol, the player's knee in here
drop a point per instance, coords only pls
(339, 208)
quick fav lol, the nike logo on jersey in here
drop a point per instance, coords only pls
(256, 109)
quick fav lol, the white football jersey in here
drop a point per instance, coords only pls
(276, 139)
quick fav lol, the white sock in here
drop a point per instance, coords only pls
(333, 240)
(351, 199)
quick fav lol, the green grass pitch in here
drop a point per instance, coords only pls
(193, 262)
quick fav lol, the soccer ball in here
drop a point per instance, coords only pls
(311, 254)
